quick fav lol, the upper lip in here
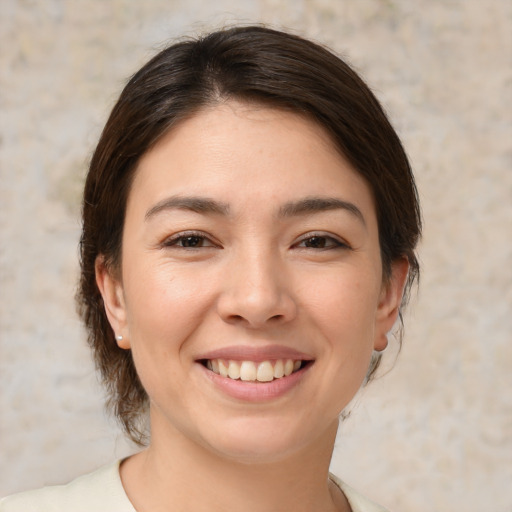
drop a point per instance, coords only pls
(255, 353)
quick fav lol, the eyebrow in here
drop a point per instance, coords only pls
(304, 206)
(194, 204)
(310, 205)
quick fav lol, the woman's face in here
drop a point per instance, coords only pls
(251, 248)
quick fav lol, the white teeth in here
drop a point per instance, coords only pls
(249, 371)
(265, 372)
(223, 369)
(233, 370)
(279, 369)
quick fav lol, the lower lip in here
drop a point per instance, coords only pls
(256, 391)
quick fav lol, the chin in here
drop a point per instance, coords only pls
(259, 442)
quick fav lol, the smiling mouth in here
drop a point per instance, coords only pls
(251, 371)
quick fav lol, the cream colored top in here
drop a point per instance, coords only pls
(102, 491)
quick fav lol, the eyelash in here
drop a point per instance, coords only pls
(175, 240)
(333, 242)
(330, 242)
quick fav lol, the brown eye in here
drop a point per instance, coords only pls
(321, 242)
(316, 242)
(191, 241)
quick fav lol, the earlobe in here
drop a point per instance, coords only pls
(111, 290)
(390, 301)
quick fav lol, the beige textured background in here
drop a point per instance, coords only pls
(435, 434)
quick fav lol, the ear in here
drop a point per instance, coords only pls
(111, 290)
(389, 302)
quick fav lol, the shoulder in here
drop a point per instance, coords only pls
(100, 490)
(357, 501)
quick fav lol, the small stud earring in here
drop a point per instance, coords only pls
(119, 337)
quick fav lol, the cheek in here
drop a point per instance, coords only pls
(165, 306)
(344, 313)
(163, 313)
(344, 299)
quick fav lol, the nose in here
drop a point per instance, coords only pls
(257, 291)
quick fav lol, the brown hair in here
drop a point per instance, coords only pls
(254, 64)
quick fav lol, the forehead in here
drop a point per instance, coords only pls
(237, 151)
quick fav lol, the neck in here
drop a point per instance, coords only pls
(175, 473)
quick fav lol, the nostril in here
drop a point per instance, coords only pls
(255, 308)
(235, 319)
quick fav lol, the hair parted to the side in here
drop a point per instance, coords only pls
(253, 64)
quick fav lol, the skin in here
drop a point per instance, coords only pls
(259, 272)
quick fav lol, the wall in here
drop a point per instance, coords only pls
(435, 433)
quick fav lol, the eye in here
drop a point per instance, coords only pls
(321, 242)
(189, 241)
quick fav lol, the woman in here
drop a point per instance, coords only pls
(249, 226)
